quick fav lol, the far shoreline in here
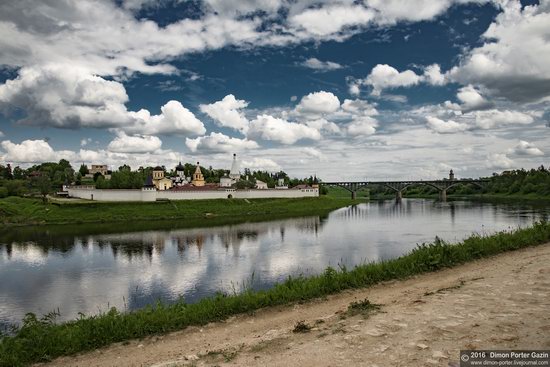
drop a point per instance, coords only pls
(21, 212)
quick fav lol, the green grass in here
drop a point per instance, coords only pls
(27, 211)
(41, 339)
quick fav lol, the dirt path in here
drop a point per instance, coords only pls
(502, 302)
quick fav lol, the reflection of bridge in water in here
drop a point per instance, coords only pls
(398, 186)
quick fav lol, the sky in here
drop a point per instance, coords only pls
(345, 90)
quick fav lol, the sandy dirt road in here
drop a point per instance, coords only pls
(497, 303)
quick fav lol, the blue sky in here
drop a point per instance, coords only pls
(343, 89)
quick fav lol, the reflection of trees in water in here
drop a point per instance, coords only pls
(234, 238)
(134, 248)
(138, 244)
(392, 209)
(42, 241)
(186, 242)
(353, 212)
(9, 250)
(452, 210)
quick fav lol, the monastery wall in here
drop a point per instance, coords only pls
(193, 195)
(90, 193)
(274, 193)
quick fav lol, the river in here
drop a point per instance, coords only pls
(91, 268)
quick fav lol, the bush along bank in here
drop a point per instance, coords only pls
(41, 339)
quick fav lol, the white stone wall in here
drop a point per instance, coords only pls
(273, 193)
(89, 193)
(192, 195)
(106, 195)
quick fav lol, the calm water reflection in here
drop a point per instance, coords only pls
(85, 270)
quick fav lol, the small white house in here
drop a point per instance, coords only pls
(260, 185)
(226, 181)
(281, 184)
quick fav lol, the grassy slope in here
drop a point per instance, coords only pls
(15, 210)
(43, 340)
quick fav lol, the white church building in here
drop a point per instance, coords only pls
(234, 174)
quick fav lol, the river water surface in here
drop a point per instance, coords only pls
(91, 268)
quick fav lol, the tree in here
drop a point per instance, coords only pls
(8, 173)
(18, 173)
(243, 184)
(97, 175)
(102, 183)
(44, 185)
(15, 187)
(84, 170)
(64, 164)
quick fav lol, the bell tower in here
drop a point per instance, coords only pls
(198, 178)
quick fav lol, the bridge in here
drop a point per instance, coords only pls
(398, 186)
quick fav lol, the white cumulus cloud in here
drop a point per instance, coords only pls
(173, 119)
(134, 144)
(330, 19)
(263, 164)
(391, 11)
(318, 103)
(227, 112)
(28, 151)
(525, 148)
(316, 64)
(384, 76)
(513, 61)
(218, 142)
(498, 161)
(362, 126)
(314, 153)
(65, 96)
(471, 99)
(359, 107)
(267, 127)
(497, 118)
(433, 75)
(445, 127)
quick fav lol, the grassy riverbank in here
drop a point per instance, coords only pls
(26, 211)
(42, 339)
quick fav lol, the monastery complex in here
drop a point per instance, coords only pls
(158, 187)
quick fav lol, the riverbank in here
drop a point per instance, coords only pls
(27, 211)
(41, 339)
(496, 303)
